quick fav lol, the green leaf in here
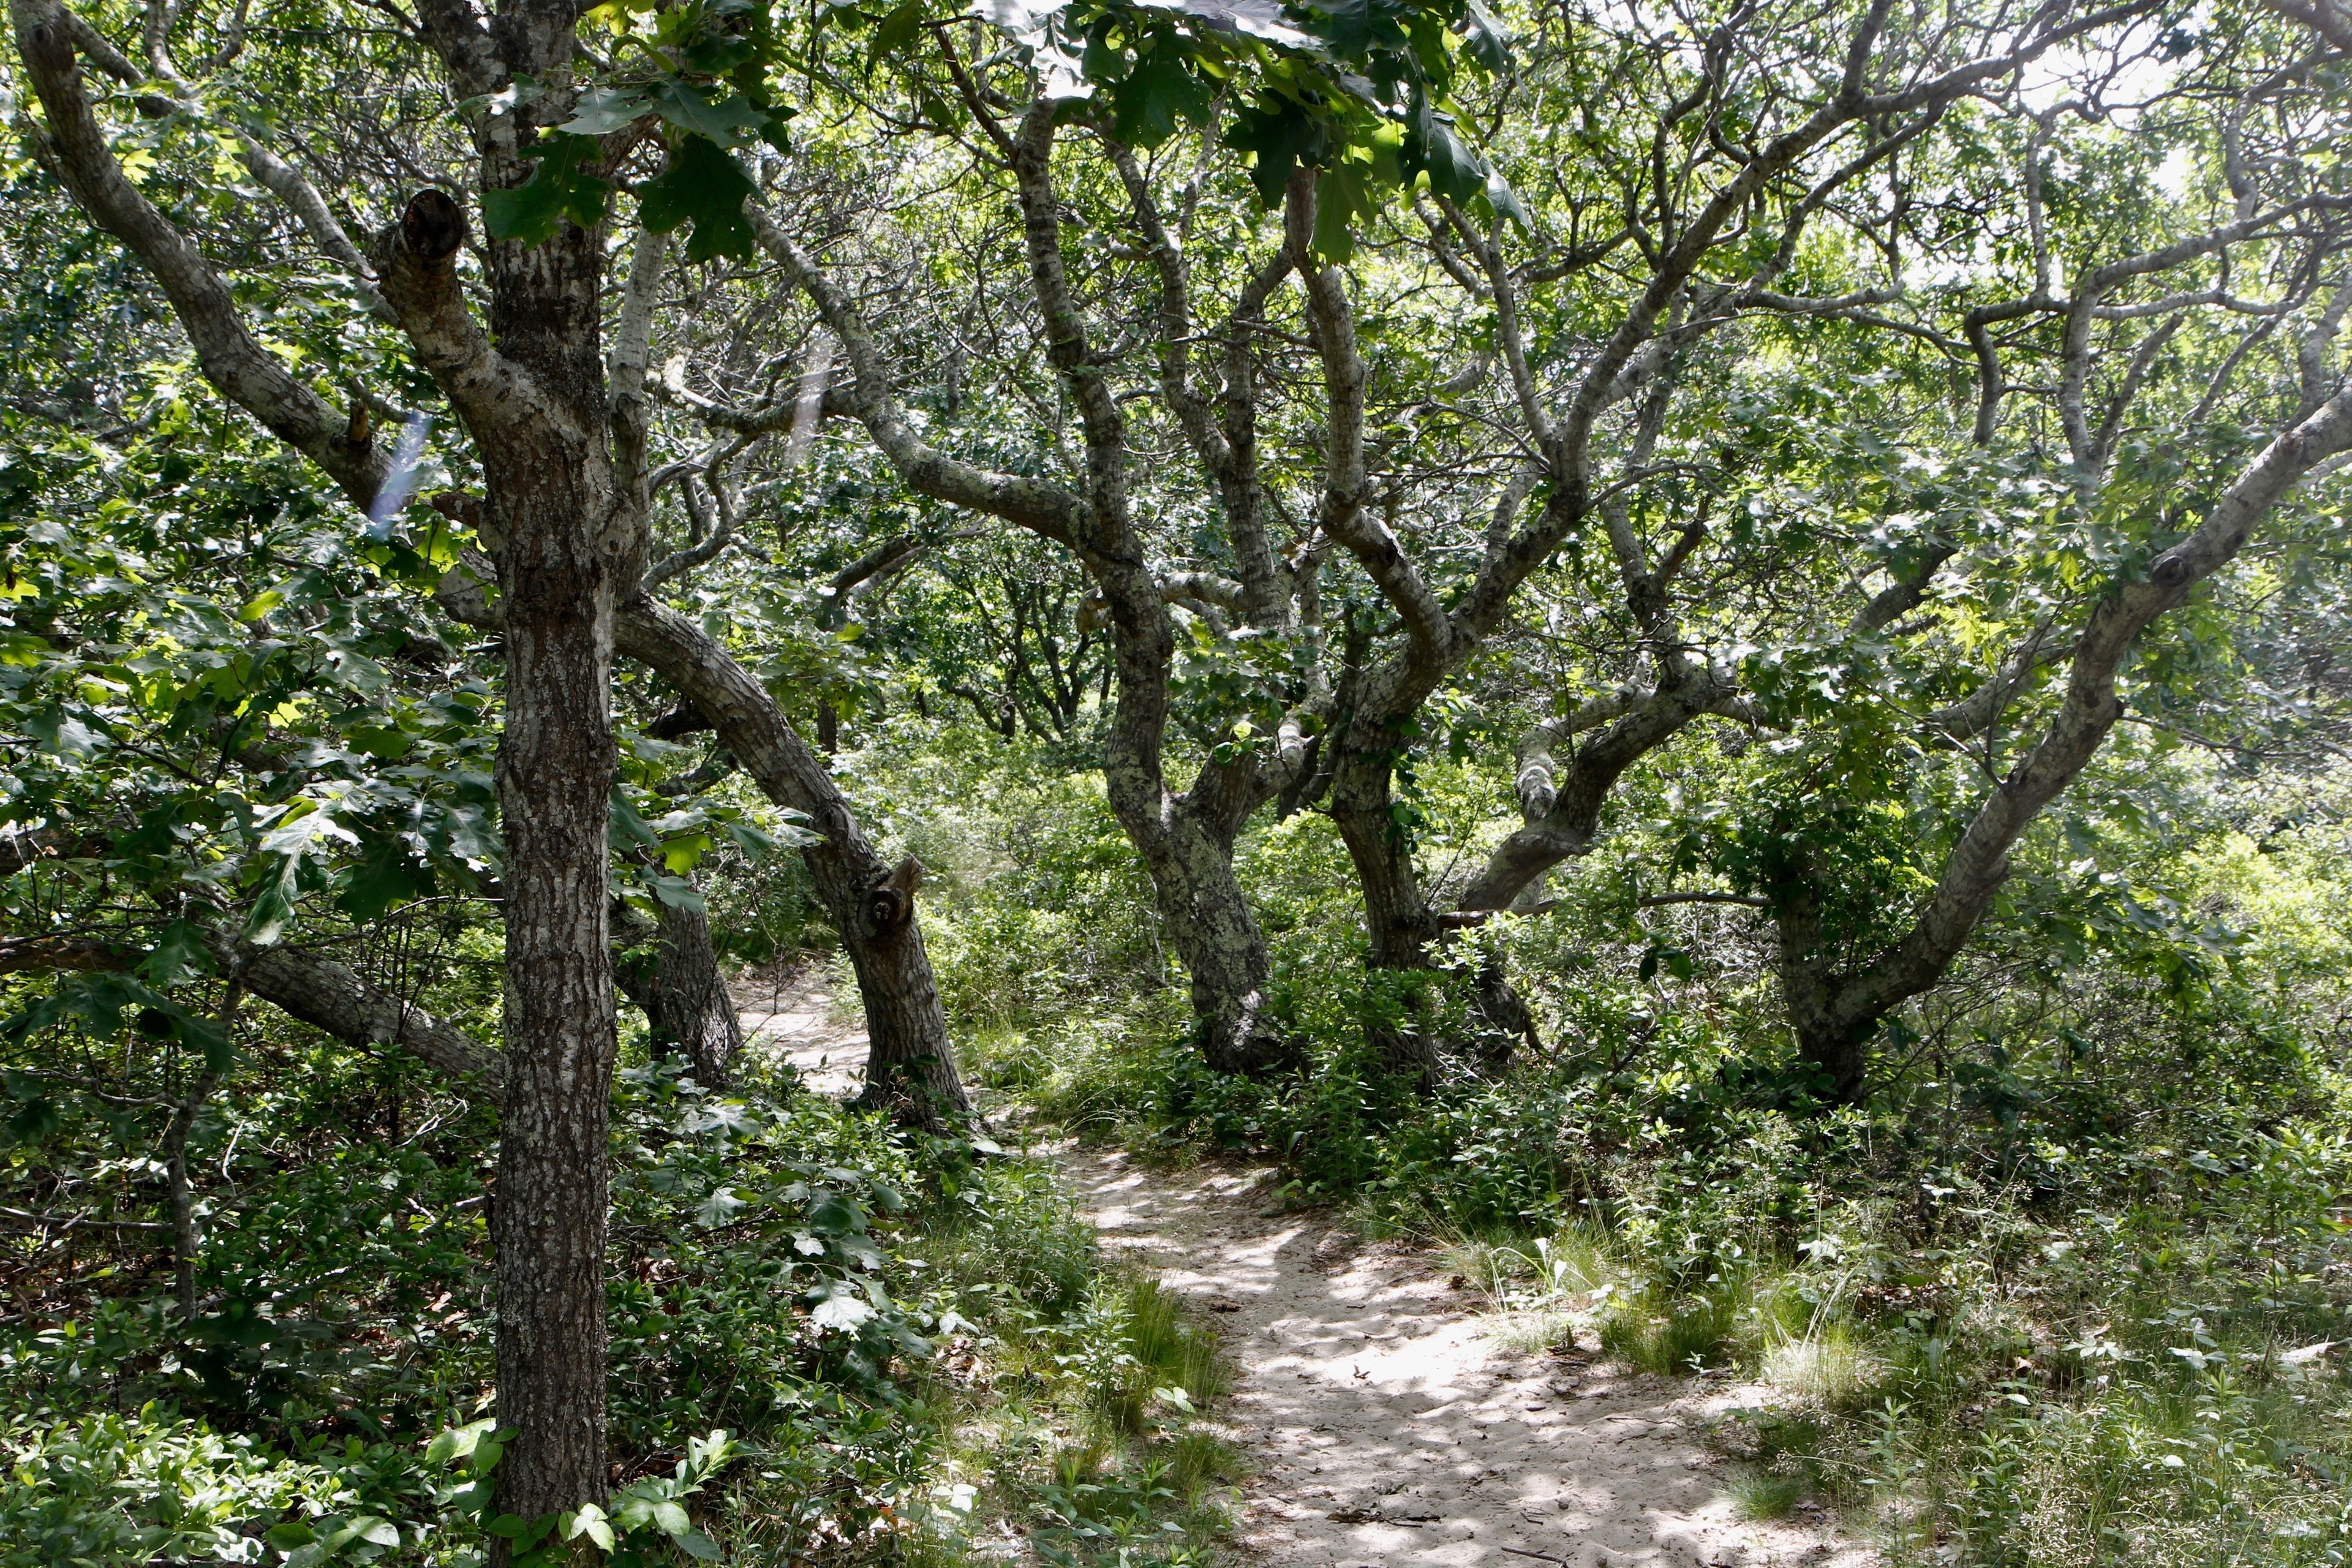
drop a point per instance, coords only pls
(591, 1522)
(1341, 194)
(841, 1312)
(1483, 38)
(605, 109)
(836, 1214)
(62, 735)
(1505, 202)
(729, 121)
(1432, 147)
(1356, 29)
(1155, 97)
(531, 213)
(273, 903)
(386, 742)
(1019, 17)
(34, 1120)
(383, 878)
(458, 1442)
(180, 953)
(894, 31)
(704, 186)
(487, 1452)
(628, 825)
(719, 1209)
(1281, 138)
(524, 1532)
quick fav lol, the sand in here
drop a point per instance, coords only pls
(1382, 1421)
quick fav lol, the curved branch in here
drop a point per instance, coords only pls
(1035, 504)
(231, 358)
(306, 986)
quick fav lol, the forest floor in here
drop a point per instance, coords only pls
(1382, 1420)
(787, 1014)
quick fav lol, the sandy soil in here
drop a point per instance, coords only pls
(786, 1013)
(1388, 1427)
(1384, 1424)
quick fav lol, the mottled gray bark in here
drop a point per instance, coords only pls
(1835, 1013)
(910, 1064)
(669, 968)
(1562, 800)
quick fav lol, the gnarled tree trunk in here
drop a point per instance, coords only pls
(1835, 1013)
(910, 1064)
(1218, 940)
(675, 980)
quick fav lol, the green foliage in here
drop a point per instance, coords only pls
(705, 187)
(2092, 1232)
(147, 1487)
(2066, 1290)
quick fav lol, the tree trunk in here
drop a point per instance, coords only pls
(1834, 1046)
(548, 494)
(554, 775)
(910, 1064)
(677, 983)
(1833, 1015)
(1397, 920)
(910, 1067)
(1218, 940)
(1185, 842)
(1562, 802)
(1397, 924)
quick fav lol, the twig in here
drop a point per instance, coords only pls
(1658, 900)
(67, 1222)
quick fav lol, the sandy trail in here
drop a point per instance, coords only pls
(1385, 1425)
(1388, 1428)
(787, 1016)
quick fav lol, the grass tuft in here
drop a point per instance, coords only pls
(1766, 1494)
(1672, 1336)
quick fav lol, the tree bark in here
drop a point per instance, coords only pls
(910, 1064)
(1834, 1046)
(1397, 920)
(554, 776)
(1217, 939)
(536, 408)
(676, 981)
(1561, 804)
(1834, 1014)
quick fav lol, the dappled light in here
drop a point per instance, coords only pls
(1140, 784)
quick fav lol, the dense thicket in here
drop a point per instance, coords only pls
(1713, 632)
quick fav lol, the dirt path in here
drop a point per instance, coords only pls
(1385, 1425)
(1388, 1428)
(787, 1016)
